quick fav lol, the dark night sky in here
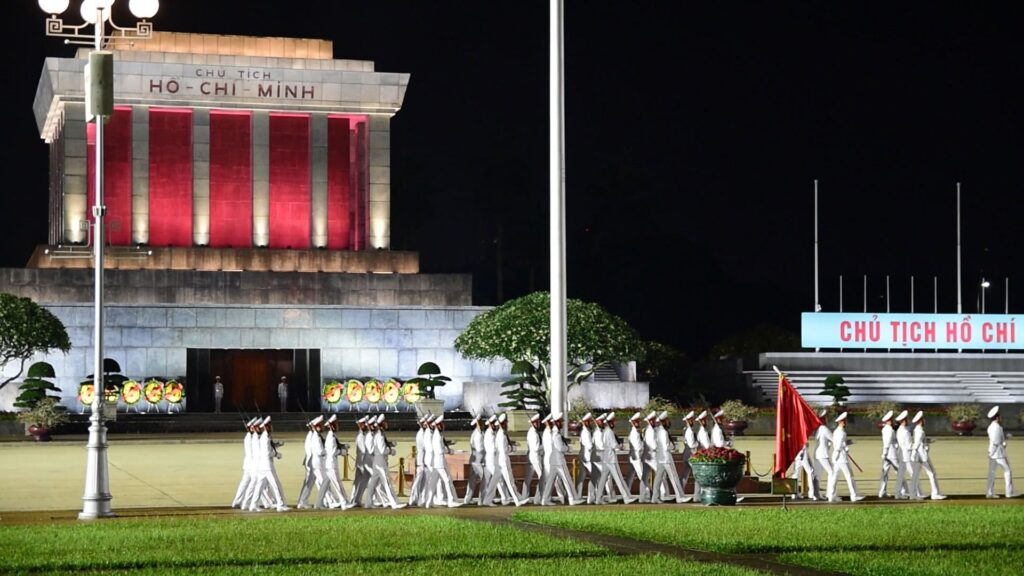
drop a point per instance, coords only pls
(694, 134)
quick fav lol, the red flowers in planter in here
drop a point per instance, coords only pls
(715, 455)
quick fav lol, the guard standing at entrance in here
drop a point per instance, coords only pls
(218, 394)
(282, 393)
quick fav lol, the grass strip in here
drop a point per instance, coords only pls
(805, 528)
(653, 565)
(996, 562)
(272, 539)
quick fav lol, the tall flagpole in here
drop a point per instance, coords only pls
(817, 302)
(959, 276)
(556, 121)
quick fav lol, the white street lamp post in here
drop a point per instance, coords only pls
(96, 13)
(556, 115)
(984, 284)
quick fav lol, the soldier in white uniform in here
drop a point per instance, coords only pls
(585, 470)
(666, 462)
(313, 478)
(920, 449)
(282, 393)
(475, 483)
(702, 433)
(890, 459)
(717, 436)
(841, 462)
(491, 473)
(997, 456)
(505, 448)
(610, 459)
(418, 477)
(908, 466)
(823, 447)
(651, 456)
(636, 455)
(535, 457)
(559, 472)
(333, 490)
(690, 440)
(247, 465)
(379, 448)
(802, 463)
(362, 477)
(218, 394)
(547, 446)
(266, 475)
(439, 465)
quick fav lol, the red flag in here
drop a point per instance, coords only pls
(795, 422)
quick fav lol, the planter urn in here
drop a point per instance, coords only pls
(39, 433)
(736, 427)
(718, 481)
(964, 428)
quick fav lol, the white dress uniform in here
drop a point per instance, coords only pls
(802, 462)
(651, 457)
(690, 440)
(891, 460)
(702, 433)
(841, 463)
(610, 462)
(535, 456)
(378, 451)
(997, 456)
(823, 447)
(415, 494)
(920, 449)
(585, 471)
(503, 449)
(559, 472)
(491, 472)
(475, 484)
(247, 468)
(361, 469)
(333, 488)
(635, 440)
(667, 465)
(598, 475)
(266, 475)
(439, 467)
(717, 436)
(908, 466)
(312, 479)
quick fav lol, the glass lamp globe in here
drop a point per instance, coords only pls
(54, 6)
(89, 8)
(144, 8)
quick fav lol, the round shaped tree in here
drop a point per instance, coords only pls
(520, 331)
(27, 328)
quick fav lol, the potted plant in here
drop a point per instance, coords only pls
(43, 417)
(718, 471)
(962, 417)
(878, 409)
(428, 377)
(836, 388)
(736, 415)
(525, 393)
(34, 390)
(577, 410)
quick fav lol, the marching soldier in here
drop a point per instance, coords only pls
(597, 472)
(636, 454)
(247, 465)
(651, 456)
(476, 462)
(890, 459)
(920, 450)
(702, 433)
(333, 491)
(266, 475)
(841, 462)
(417, 480)
(997, 455)
(441, 448)
(362, 468)
(312, 478)
(379, 448)
(823, 447)
(555, 454)
(491, 472)
(535, 466)
(666, 462)
(585, 470)
(717, 436)
(803, 463)
(690, 440)
(547, 447)
(610, 460)
(908, 465)
(504, 448)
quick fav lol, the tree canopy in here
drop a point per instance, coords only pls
(520, 329)
(27, 329)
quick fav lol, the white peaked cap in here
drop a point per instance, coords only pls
(421, 420)
(380, 419)
(586, 417)
(428, 418)
(822, 413)
(652, 416)
(556, 416)
(535, 417)
(492, 419)
(602, 417)
(636, 416)
(689, 415)
(251, 422)
(901, 416)
(702, 415)
(611, 416)
(993, 412)
(546, 418)
(332, 419)
(439, 419)
(887, 417)
(361, 420)
(719, 413)
(663, 415)
(502, 417)
(474, 421)
(316, 420)
(266, 420)
(918, 416)
(841, 417)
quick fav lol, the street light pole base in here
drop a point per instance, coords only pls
(96, 508)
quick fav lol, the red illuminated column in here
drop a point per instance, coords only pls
(170, 177)
(230, 179)
(117, 170)
(290, 185)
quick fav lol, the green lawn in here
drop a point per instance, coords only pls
(925, 539)
(306, 544)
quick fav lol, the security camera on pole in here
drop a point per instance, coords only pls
(99, 105)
